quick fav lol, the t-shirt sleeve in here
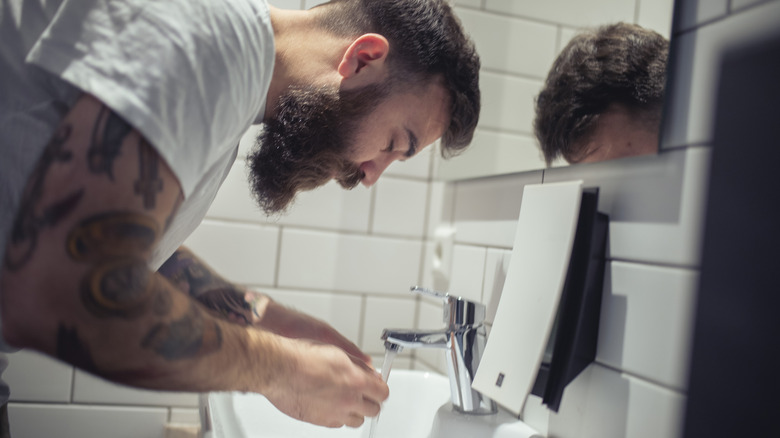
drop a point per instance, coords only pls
(190, 75)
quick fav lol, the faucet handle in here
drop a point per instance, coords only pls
(430, 292)
(458, 312)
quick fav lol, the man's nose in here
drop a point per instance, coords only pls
(373, 169)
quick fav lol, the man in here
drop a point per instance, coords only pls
(120, 119)
(603, 96)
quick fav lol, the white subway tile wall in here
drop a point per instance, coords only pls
(646, 321)
(602, 402)
(467, 261)
(400, 208)
(574, 14)
(88, 389)
(33, 420)
(243, 253)
(350, 257)
(531, 52)
(38, 378)
(506, 150)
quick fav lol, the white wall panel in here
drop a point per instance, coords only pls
(468, 267)
(656, 15)
(509, 44)
(234, 200)
(508, 102)
(184, 416)
(469, 3)
(90, 389)
(602, 402)
(400, 207)
(79, 421)
(286, 4)
(33, 376)
(312, 3)
(329, 207)
(436, 270)
(327, 261)
(576, 14)
(647, 321)
(244, 254)
(499, 151)
(440, 206)
(565, 35)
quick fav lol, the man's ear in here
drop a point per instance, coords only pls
(364, 59)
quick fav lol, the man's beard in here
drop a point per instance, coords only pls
(306, 143)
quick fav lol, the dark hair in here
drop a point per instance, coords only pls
(427, 42)
(619, 63)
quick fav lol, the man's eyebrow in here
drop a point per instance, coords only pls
(412, 143)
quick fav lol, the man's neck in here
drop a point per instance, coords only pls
(306, 54)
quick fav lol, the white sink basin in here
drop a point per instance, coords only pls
(418, 407)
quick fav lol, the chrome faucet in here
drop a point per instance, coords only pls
(463, 340)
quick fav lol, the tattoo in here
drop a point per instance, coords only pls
(189, 336)
(148, 183)
(190, 276)
(71, 350)
(119, 288)
(114, 234)
(29, 222)
(162, 302)
(229, 304)
(121, 285)
(104, 149)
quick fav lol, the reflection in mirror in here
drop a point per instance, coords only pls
(519, 42)
(603, 96)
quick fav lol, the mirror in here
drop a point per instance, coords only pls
(518, 41)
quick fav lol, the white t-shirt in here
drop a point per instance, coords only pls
(190, 75)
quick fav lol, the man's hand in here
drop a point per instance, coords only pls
(324, 386)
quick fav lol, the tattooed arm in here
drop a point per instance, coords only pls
(191, 275)
(76, 285)
(237, 304)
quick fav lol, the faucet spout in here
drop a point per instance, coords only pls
(415, 339)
